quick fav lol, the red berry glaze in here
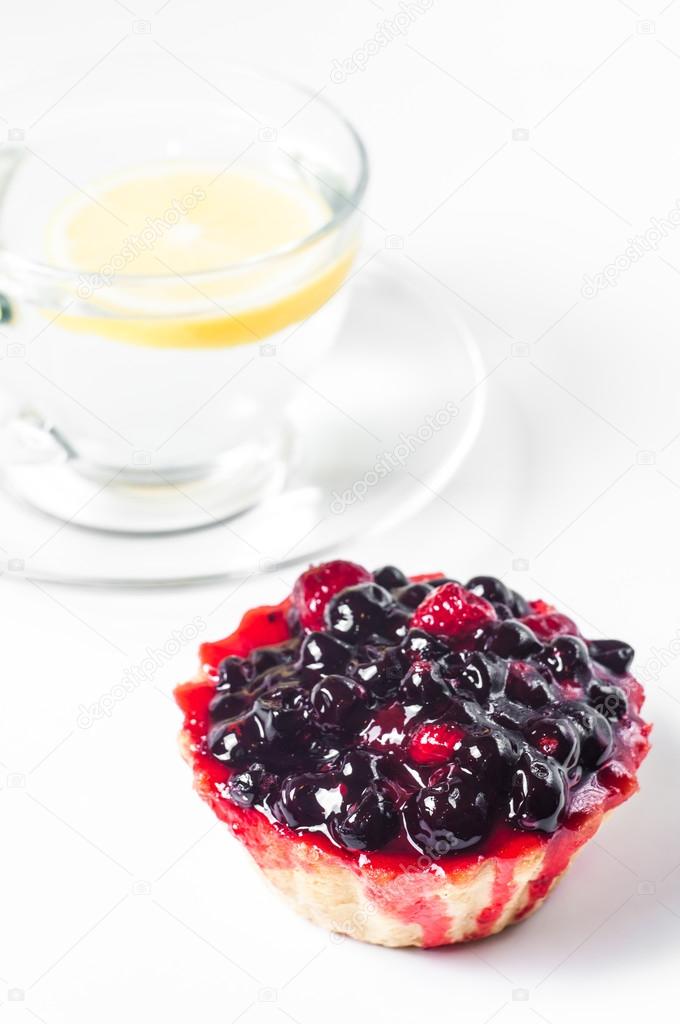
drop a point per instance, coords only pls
(315, 587)
(451, 610)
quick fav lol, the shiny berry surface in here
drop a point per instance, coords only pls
(314, 588)
(451, 610)
(415, 716)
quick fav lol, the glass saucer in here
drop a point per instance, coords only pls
(380, 427)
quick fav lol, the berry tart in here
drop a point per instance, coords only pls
(412, 761)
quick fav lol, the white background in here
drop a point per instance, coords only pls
(120, 896)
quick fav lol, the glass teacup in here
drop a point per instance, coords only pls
(140, 358)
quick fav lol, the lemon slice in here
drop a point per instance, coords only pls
(173, 220)
(185, 219)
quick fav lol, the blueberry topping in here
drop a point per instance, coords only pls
(510, 716)
(492, 589)
(412, 595)
(423, 684)
(594, 730)
(285, 712)
(512, 639)
(537, 794)
(482, 676)
(613, 654)
(555, 737)
(236, 743)
(383, 672)
(610, 701)
(324, 654)
(390, 577)
(306, 800)
(250, 785)
(264, 658)
(337, 699)
(225, 706)
(526, 685)
(369, 823)
(519, 605)
(358, 613)
(489, 755)
(231, 674)
(567, 658)
(449, 816)
(420, 646)
(406, 717)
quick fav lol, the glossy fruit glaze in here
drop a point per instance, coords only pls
(400, 724)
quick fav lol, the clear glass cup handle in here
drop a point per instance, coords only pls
(26, 437)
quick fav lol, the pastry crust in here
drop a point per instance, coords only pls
(419, 902)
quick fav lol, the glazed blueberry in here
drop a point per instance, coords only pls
(420, 646)
(482, 676)
(232, 674)
(423, 684)
(555, 737)
(306, 800)
(491, 588)
(397, 625)
(519, 605)
(613, 654)
(509, 715)
(464, 712)
(390, 577)
(594, 730)
(449, 816)
(285, 712)
(359, 613)
(225, 706)
(250, 785)
(526, 685)
(567, 658)
(383, 672)
(512, 639)
(358, 768)
(538, 794)
(489, 755)
(370, 823)
(412, 595)
(610, 701)
(264, 658)
(336, 699)
(324, 654)
(236, 743)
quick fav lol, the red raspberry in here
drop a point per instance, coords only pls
(541, 607)
(548, 625)
(314, 589)
(434, 743)
(451, 610)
